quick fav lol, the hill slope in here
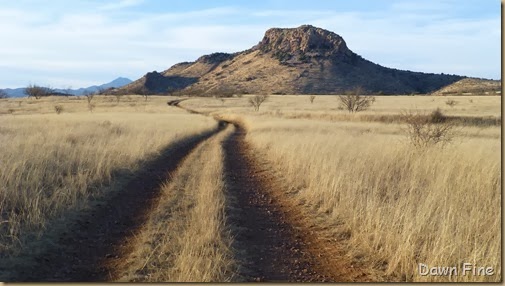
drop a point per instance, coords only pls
(303, 60)
(471, 86)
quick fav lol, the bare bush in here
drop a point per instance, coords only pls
(311, 98)
(89, 97)
(3, 94)
(37, 91)
(424, 130)
(118, 97)
(58, 109)
(354, 101)
(257, 100)
(451, 102)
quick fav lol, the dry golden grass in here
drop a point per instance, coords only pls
(186, 237)
(399, 206)
(78, 104)
(54, 164)
(327, 105)
(402, 206)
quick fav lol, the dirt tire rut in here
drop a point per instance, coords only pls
(92, 245)
(269, 247)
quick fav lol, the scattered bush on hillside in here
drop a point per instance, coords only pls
(355, 101)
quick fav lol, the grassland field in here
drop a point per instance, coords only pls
(391, 205)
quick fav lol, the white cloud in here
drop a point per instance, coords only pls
(120, 5)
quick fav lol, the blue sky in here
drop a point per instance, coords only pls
(74, 44)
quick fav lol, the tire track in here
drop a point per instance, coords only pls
(93, 245)
(269, 247)
(276, 239)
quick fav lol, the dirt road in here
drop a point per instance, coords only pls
(272, 240)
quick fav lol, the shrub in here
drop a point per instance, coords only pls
(427, 130)
(436, 116)
(451, 102)
(354, 101)
(58, 109)
(257, 100)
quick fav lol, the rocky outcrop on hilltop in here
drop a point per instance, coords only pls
(305, 41)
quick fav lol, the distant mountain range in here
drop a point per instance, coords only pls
(118, 82)
(303, 60)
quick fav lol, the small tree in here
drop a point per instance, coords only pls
(3, 94)
(311, 98)
(37, 91)
(89, 97)
(257, 100)
(354, 101)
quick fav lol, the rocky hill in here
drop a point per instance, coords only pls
(303, 60)
(471, 86)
